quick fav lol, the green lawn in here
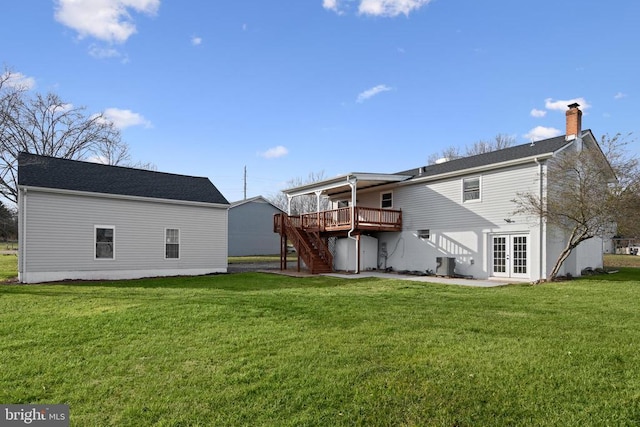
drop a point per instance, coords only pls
(259, 349)
(612, 260)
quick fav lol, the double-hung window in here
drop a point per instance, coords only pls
(386, 200)
(471, 189)
(172, 243)
(105, 239)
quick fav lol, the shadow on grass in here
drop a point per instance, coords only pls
(237, 282)
(622, 274)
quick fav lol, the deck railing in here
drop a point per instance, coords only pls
(341, 219)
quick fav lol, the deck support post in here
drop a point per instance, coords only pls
(353, 183)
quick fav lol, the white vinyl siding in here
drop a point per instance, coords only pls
(438, 205)
(457, 229)
(57, 237)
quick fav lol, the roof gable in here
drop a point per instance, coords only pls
(256, 199)
(51, 172)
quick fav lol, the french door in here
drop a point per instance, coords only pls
(510, 255)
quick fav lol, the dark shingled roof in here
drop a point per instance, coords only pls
(508, 154)
(51, 172)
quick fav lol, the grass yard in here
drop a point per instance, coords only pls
(268, 350)
(612, 260)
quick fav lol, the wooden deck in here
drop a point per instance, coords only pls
(339, 220)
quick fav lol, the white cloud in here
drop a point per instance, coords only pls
(541, 132)
(390, 7)
(275, 152)
(125, 118)
(107, 20)
(538, 113)
(385, 8)
(18, 81)
(196, 41)
(562, 104)
(619, 95)
(369, 93)
(103, 52)
(330, 5)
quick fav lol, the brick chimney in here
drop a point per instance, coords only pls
(574, 121)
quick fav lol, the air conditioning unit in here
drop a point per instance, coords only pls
(445, 266)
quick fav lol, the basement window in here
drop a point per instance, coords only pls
(424, 234)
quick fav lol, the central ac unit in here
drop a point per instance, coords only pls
(445, 266)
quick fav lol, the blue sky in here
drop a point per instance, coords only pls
(293, 87)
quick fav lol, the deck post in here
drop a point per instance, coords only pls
(358, 253)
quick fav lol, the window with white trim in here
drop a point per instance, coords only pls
(386, 200)
(105, 239)
(172, 243)
(471, 189)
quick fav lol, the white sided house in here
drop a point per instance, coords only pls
(81, 220)
(451, 218)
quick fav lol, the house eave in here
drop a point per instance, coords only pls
(479, 169)
(343, 181)
(122, 197)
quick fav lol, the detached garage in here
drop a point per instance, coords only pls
(81, 220)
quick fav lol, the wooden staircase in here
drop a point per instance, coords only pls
(311, 248)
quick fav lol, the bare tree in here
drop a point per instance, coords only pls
(499, 142)
(627, 187)
(450, 153)
(46, 125)
(586, 194)
(301, 204)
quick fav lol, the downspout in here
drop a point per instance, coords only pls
(353, 183)
(541, 244)
(22, 240)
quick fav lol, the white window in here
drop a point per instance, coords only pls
(172, 243)
(105, 239)
(471, 189)
(386, 200)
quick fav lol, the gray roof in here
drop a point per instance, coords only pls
(259, 199)
(536, 148)
(55, 173)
